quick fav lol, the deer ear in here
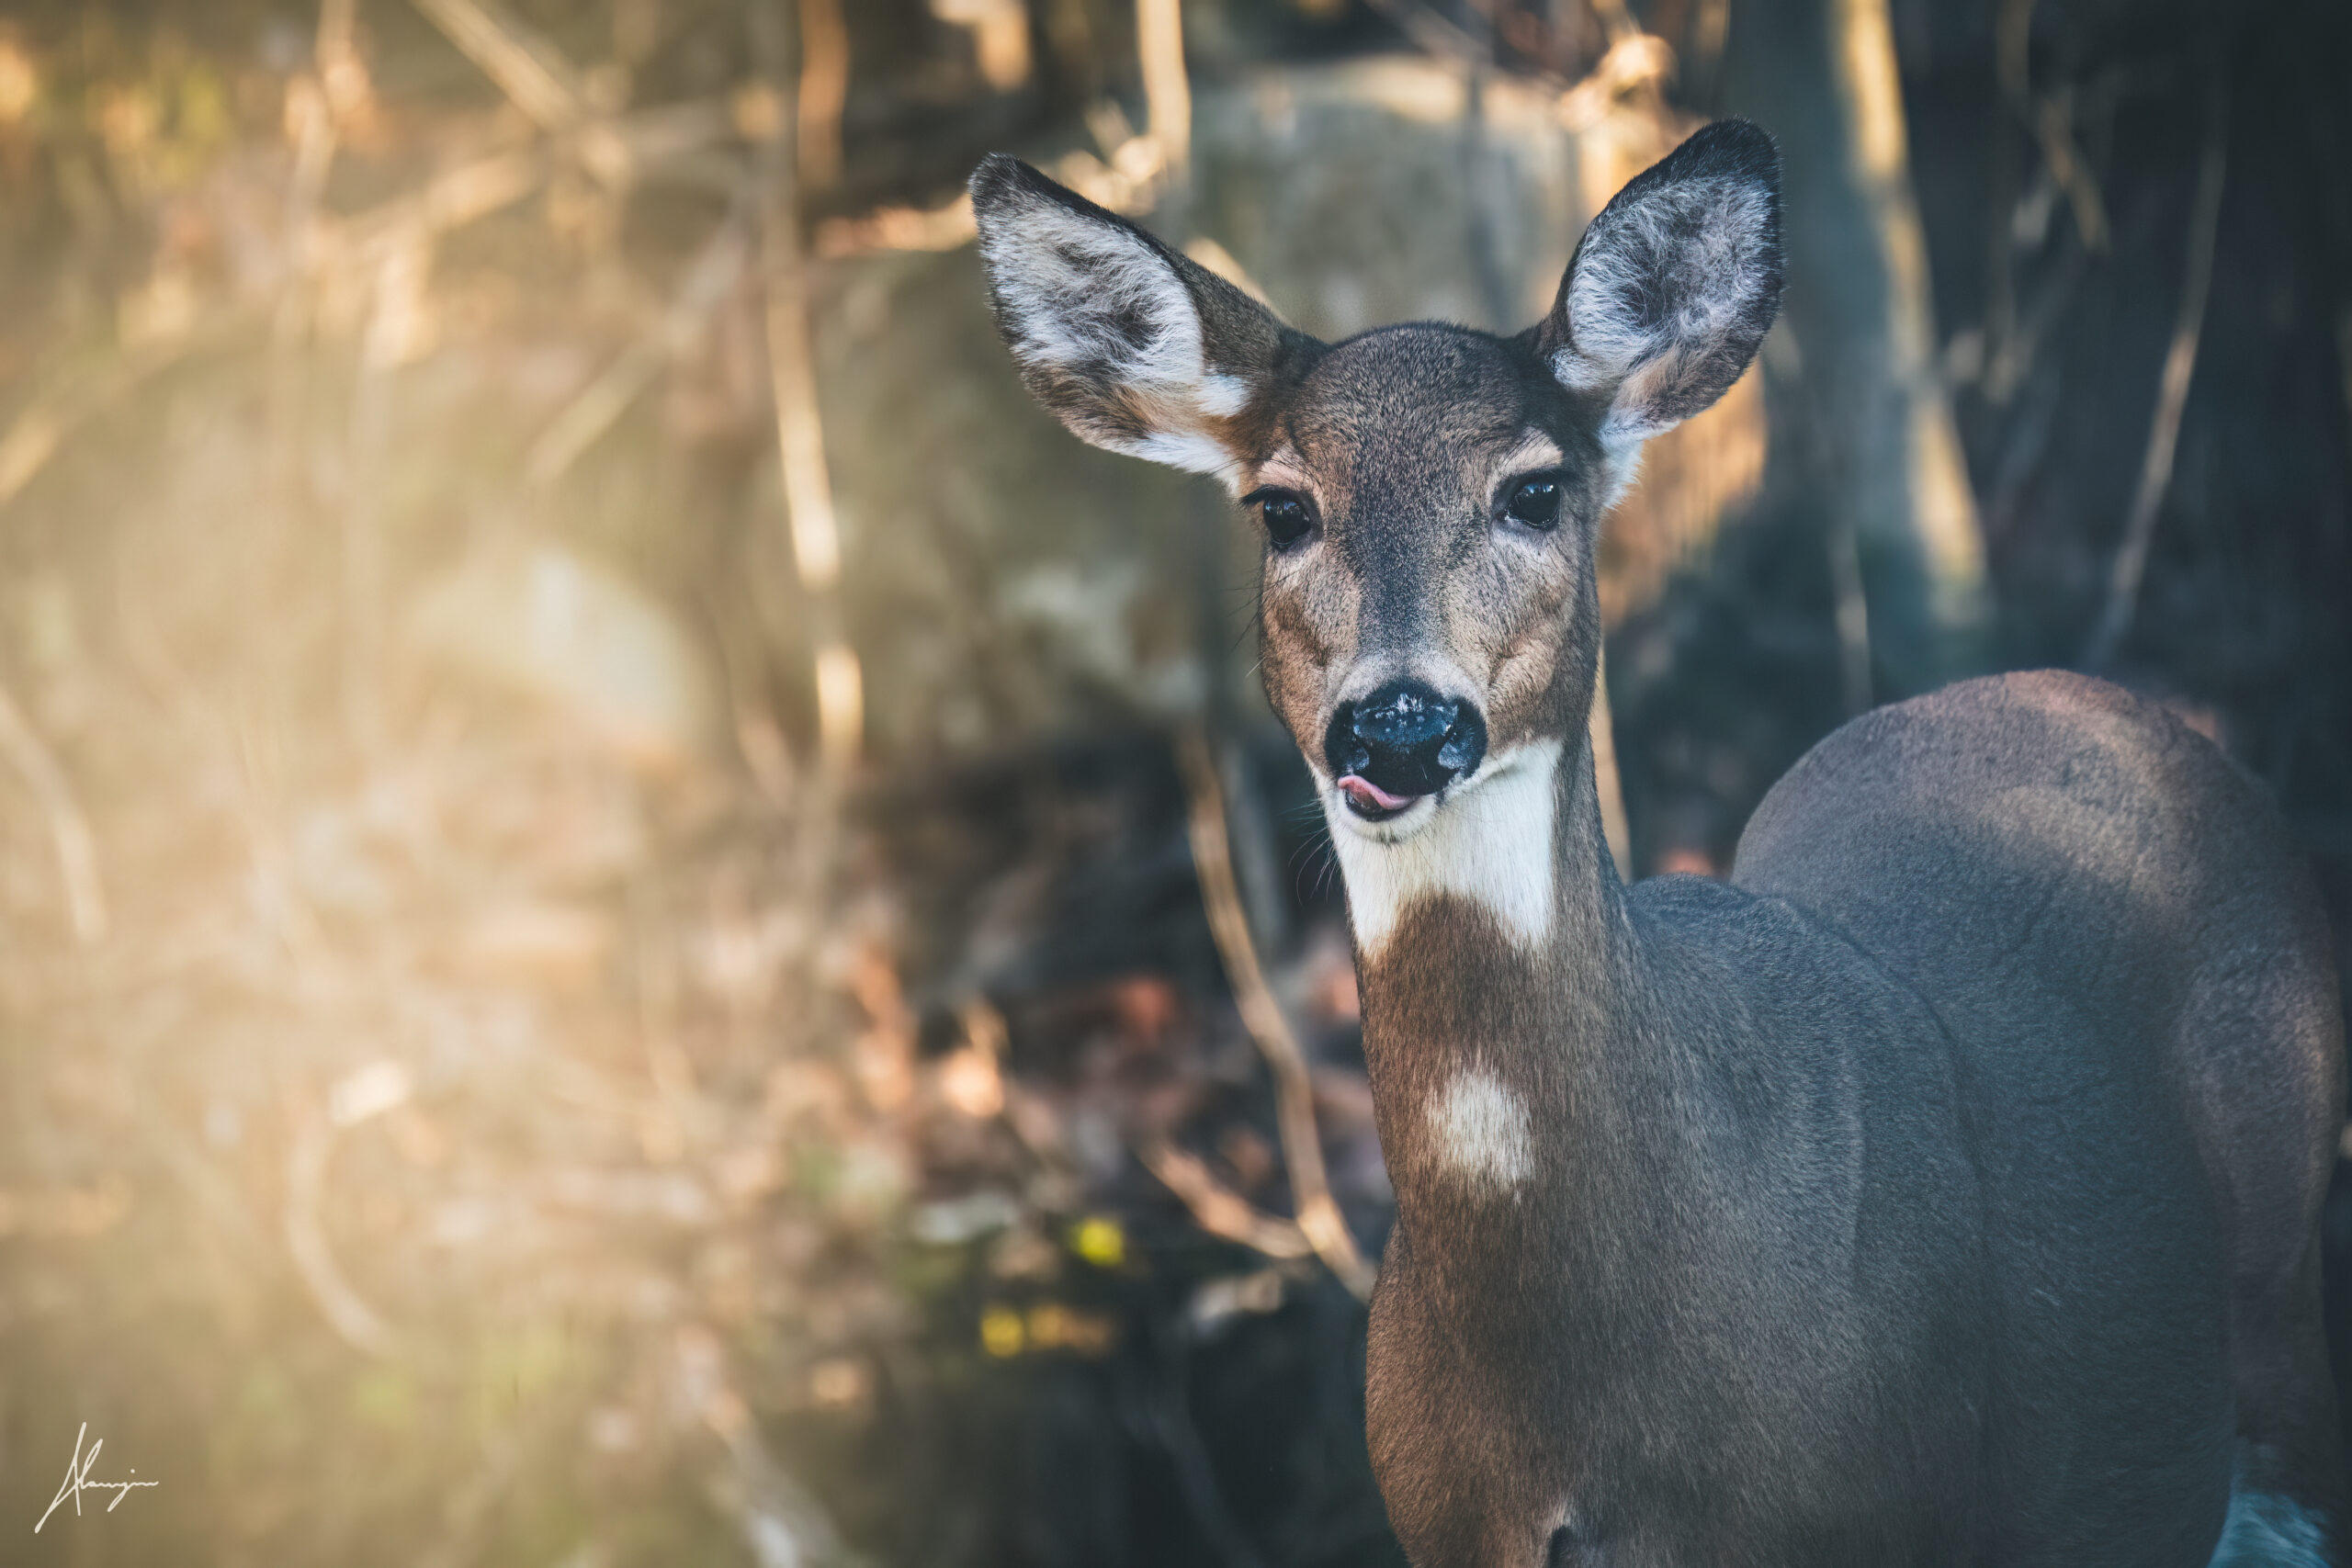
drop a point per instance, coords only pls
(1133, 347)
(1673, 286)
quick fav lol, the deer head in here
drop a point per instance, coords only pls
(1430, 495)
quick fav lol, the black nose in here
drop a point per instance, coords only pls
(1405, 738)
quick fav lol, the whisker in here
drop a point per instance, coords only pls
(1325, 859)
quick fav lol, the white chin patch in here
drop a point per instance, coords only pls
(1479, 1133)
(1487, 841)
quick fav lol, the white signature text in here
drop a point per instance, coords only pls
(77, 1479)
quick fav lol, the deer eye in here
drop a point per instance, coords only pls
(1534, 502)
(1288, 517)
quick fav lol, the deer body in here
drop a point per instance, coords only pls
(1943, 1189)
(1862, 1221)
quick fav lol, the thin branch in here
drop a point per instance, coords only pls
(1615, 20)
(527, 68)
(2053, 124)
(551, 91)
(1433, 32)
(346, 1311)
(1851, 614)
(1601, 726)
(1167, 90)
(944, 228)
(714, 272)
(1318, 1215)
(460, 196)
(800, 432)
(824, 90)
(1218, 1209)
(2172, 395)
(311, 107)
(1131, 184)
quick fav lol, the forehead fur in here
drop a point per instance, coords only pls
(1420, 402)
(1474, 385)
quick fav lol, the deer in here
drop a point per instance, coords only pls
(1941, 1186)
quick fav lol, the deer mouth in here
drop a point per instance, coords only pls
(1372, 803)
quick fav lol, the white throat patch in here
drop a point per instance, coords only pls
(1489, 841)
(1479, 1132)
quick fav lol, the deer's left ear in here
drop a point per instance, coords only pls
(1673, 286)
(1135, 348)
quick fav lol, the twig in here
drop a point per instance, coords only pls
(1217, 1208)
(77, 855)
(824, 89)
(527, 68)
(388, 341)
(311, 106)
(450, 201)
(1167, 91)
(460, 196)
(536, 78)
(1615, 20)
(1852, 615)
(2011, 358)
(1431, 31)
(945, 228)
(592, 412)
(346, 1312)
(2172, 395)
(1601, 726)
(800, 439)
(2053, 124)
(1318, 1215)
(1132, 184)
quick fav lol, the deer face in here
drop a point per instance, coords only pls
(1429, 499)
(1429, 495)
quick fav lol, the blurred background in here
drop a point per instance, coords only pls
(644, 921)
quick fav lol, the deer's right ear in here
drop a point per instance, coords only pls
(1135, 348)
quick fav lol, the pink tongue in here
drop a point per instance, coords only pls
(1363, 792)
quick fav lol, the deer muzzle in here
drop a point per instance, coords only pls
(1400, 743)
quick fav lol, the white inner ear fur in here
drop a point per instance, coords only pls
(1720, 271)
(1075, 287)
(1487, 841)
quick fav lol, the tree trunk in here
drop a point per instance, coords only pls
(1820, 74)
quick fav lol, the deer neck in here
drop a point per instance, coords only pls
(1499, 970)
